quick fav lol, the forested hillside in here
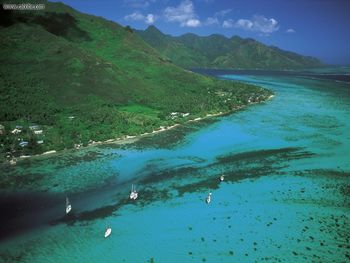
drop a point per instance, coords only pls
(218, 51)
(81, 78)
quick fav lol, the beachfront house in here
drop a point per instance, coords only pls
(16, 131)
(23, 143)
(37, 132)
(34, 127)
(174, 115)
(78, 145)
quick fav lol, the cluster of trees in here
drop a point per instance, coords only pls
(28, 101)
(95, 119)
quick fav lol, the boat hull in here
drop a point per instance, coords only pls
(68, 209)
(108, 232)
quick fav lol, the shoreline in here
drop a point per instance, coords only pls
(127, 139)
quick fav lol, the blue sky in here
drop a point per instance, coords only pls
(318, 28)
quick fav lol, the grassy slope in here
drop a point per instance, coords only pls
(62, 63)
(217, 51)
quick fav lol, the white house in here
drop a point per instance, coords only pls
(16, 131)
(23, 144)
(38, 132)
(33, 127)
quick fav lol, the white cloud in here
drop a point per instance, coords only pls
(183, 14)
(214, 20)
(207, 1)
(150, 19)
(223, 12)
(290, 30)
(211, 21)
(258, 23)
(193, 23)
(138, 3)
(228, 23)
(137, 16)
(244, 23)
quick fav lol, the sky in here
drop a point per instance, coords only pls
(319, 28)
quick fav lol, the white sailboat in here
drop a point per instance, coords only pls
(68, 206)
(222, 177)
(208, 199)
(133, 193)
(108, 232)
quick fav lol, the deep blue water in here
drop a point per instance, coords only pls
(340, 74)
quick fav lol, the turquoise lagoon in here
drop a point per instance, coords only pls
(285, 197)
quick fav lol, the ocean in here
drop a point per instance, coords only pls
(285, 196)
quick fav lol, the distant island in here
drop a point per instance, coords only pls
(218, 51)
(70, 79)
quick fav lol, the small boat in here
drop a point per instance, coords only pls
(108, 232)
(68, 206)
(133, 193)
(222, 177)
(208, 199)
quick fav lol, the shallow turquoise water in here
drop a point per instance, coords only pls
(286, 161)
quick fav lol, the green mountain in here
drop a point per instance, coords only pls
(81, 78)
(217, 51)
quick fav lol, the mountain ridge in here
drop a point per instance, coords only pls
(218, 51)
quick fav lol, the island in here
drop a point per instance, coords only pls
(73, 79)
